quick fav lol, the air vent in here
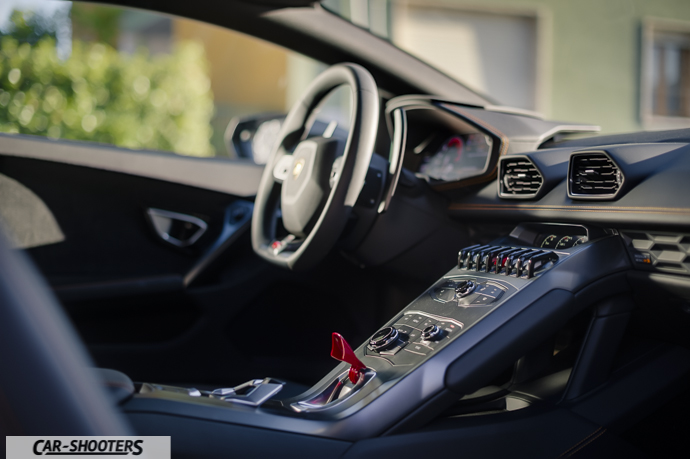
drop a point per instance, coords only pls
(593, 175)
(519, 178)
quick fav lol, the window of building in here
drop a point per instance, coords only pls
(666, 74)
(671, 75)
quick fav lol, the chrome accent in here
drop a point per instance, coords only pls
(430, 332)
(488, 280)
(502, 175)
(258, 391)
(223, 392)
(620, 178)
(382, 343)
(162, 221)
(466, 288)
(332, 395)
(488, 258)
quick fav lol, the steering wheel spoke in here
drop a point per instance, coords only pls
(282, 168)
(289, 243)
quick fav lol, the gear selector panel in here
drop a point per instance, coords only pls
(442, 313)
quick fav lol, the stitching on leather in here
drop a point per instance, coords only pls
(584, 206)
(583, 209)
(9, 421)
(587, 443)
(588, 210)
(581, 441)
(576, 208)
(119, 385)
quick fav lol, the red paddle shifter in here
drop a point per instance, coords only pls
(342, 351)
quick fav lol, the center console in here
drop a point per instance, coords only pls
(498, 303)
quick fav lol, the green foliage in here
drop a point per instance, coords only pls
(29, 27)
(97, 22)
(161, 102)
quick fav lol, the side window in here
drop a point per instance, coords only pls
(142, 80)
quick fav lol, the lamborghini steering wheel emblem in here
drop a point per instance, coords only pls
(299, 165)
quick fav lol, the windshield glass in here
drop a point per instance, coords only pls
(623, 65)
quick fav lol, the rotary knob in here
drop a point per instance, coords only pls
(383, 339)
(431, 333)
(464, 288)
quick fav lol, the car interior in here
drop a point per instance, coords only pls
(435, 275)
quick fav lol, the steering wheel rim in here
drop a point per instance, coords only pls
(328, 219)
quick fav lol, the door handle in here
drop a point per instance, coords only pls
(180, 230)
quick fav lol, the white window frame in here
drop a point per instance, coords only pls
(652, 26)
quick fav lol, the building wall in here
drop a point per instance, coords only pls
(597, 58)
(589, 57)
(244, 71)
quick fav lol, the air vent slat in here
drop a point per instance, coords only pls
(594, 175)
(519, 178)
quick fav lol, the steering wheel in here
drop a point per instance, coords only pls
(306, 183)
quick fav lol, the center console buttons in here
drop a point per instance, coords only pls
(445, 292)
(406, 319)
(394, 350)
(417, 321)
(406, 358)
(418, 336)
(490, 290)
(486, 294)
(427, 323)
(418, 348)
(467, 293)
(404, 331)
(449, 328)
(482, 300)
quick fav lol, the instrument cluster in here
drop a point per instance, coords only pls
(560, 241)
(458, 157)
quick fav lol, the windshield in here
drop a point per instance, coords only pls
(622, 65)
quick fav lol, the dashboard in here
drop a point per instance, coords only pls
(509, 167)
(562, 194)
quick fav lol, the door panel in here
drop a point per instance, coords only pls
(212, 312)
(123, 286)
(102, 215)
